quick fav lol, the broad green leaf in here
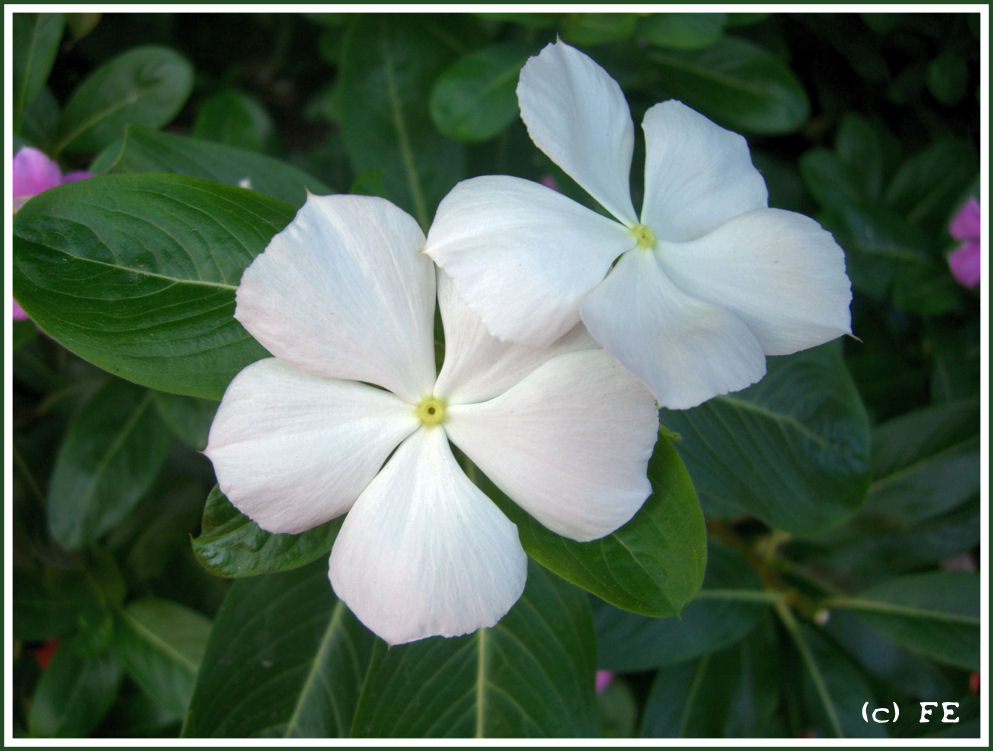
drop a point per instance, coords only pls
(935, 614)
(56, 602)
(388, 68)
(618, 709)
(137, 274)
(927, 185)
(36, 38)
(598, 28)
(878, 244)
(231, 544)
(733, 693)
(284, 659)
(188, 418)
(160, 644)
(474, 98)
(143, 86)
(793, 449)
(40, 121)
(834, 688)
(110, 456)
(948, 77)
(727, 609)
(653, 565)
(147, 150)
(531, 675)
(737, 83)
(926, 289)
(859, 146)
(925, 462)
(236, 119)
(682, 31)
(73, 694)
(832, 182)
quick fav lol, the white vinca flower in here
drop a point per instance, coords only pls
(692, 295)
(350, 416)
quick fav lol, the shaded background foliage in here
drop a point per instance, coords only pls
(841, 493)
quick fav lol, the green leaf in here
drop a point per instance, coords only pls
(733, 693)
(925, 462)
(387, 70)
(137, 274)
(682, 31)
(143, 86)
(859, 146)
(187, 417)
(108, 459)
(236, 119)
(56, 602)
(531, 675)
(878, 245)
(36, 38)
(737, 83)
(474, 98)
(284, 659)
(927, 186)
(793, 449)
(160, 644)
(598, 28)
(40, 120)
(73, 695)
(653, 565)
(231, 544)
(728, 607)
(618, 710)
(147, 150)
(834, 688)
(948, 77)
(935, 614)
(832, 182)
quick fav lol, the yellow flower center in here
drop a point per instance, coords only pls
(430, 411)
(643, 236)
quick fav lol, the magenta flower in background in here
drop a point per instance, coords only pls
(964, 262)
(603, 679)
(33, 173)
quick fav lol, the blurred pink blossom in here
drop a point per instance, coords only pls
(549, 182)
(33, 173)
(965, 262)
(603, 679)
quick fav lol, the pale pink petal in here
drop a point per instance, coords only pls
(778, 271)
(570, 443)
(697, 174)
(423, 552)
(478, 366)
(576, 113)
(18, 312)
(71, 177)
(684, 349)
(292, 450)
(521, 255)
(344, 292)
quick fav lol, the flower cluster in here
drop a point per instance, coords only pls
(351, 417)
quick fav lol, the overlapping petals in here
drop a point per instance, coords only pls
(724, 280)
(344, 299)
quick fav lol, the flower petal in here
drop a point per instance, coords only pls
(965, 263)
(570, 443)
(478, 366)
(522, 255)
(965, 225)
(292, 450)
(577, 114)
(697, 174)
(778, 271)
(423, 552)
(343, 292)
(33, 172)
(685, 350)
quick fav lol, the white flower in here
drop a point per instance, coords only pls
(692, 295)
(350, 417)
